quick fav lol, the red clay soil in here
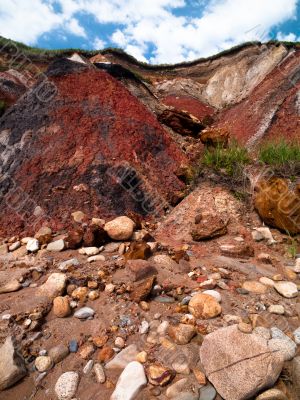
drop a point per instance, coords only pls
(94, 133)
(271, 110)
(189, 104)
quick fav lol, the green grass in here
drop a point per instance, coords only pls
(280, 153)
(231, 160)
(2, 107)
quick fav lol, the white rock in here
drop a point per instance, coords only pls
(98, 257)
(66, 385)
(144, 327)
(54, 286)
(57, 245)
(32, 245)
(43, 363)
(297, 266)
(297, 336)
(119, 342)
(163, 327)
(99, 373)
(12, 365)
(276, 309)
(266, 281)
(214, 294)
(122, 359)
(131, 381)
(64, 266)
(109, 288)
(265, 233)
(14, 246)
(286, 289)
(120, 228)
(84, 313)
(88, 367)
(91, 251)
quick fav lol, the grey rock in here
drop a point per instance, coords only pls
(286, 289)
(84, 313)
(207, 392)
(12, 365)
(57, 245)
(73, 262)
(58, 353)
(88, 367)
(286, 347)
(297, 335)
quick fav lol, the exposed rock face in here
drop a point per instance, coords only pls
(181, 122)
(244, 371)
(277, 205)
(12, 365)
(90, 111)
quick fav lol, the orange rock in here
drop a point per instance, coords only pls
(214, 137)
(204, 306)
(61, 307)
(105, 354)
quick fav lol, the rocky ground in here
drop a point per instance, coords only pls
(200, 305)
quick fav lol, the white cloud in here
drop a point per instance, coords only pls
(289, 37)
(151, 25)
(98, 44)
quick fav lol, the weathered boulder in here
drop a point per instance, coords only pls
(12, 365)
(239, 365)
(278, 205)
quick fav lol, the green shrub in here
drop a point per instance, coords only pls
(231, 159)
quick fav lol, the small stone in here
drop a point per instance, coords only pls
(245, 328)
(277, 277)
(86, 351)
(159, 375)
(200, 376)
(93, 295)
(131, 381)
(208, 284)
(120, 228)
(99, 341)
(14, 246)
(181, 367)
(12, 365)
(44, 235)
(276, 309)
(78, 216)
(142, 357)
(99, 373)
(105, 354)
(33, 245)
(88, 367)
(204, 306)
(65, 265)
(61, 307)
(207, 392)
(182, 389)
(290, 274)
(297, 336)
(272, 394)
(43, 363)
(123, 358)
(297, 266)
(84, 313)
(57, 245)
(144, 306)
(80, 293)
(73, 346)
(255, 287)
(66, 385)
(91, 251)
(58, 353)
(182, 333)
(140, 269)
(266, 281)
(54, 286)
(214, 294)
(99, 257)
(286, 289)
(265, 258)
(265, 233)
(144, 327)
(119, 342)
(110, 288)
(142, 289)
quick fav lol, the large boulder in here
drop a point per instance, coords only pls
(12, 365)
(239, 365)
(278, 205)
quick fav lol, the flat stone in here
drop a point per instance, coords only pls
(57, 245)
(214, 294)
(84, 313)
(91, 251)
(131, 381)
(54, 286)
(99, 373)
(65, 265)
(272, 394)
(66, 385)
(122, 359)
(255, 287)
(182, 333)
(244, 371)
(276, 309)
(12, 365)
(286, 289)
(266, 281)
(182, 389)
(141, 269)
(98, 257)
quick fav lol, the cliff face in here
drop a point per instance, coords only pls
(98, 145)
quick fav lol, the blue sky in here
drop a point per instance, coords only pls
(157, 31)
